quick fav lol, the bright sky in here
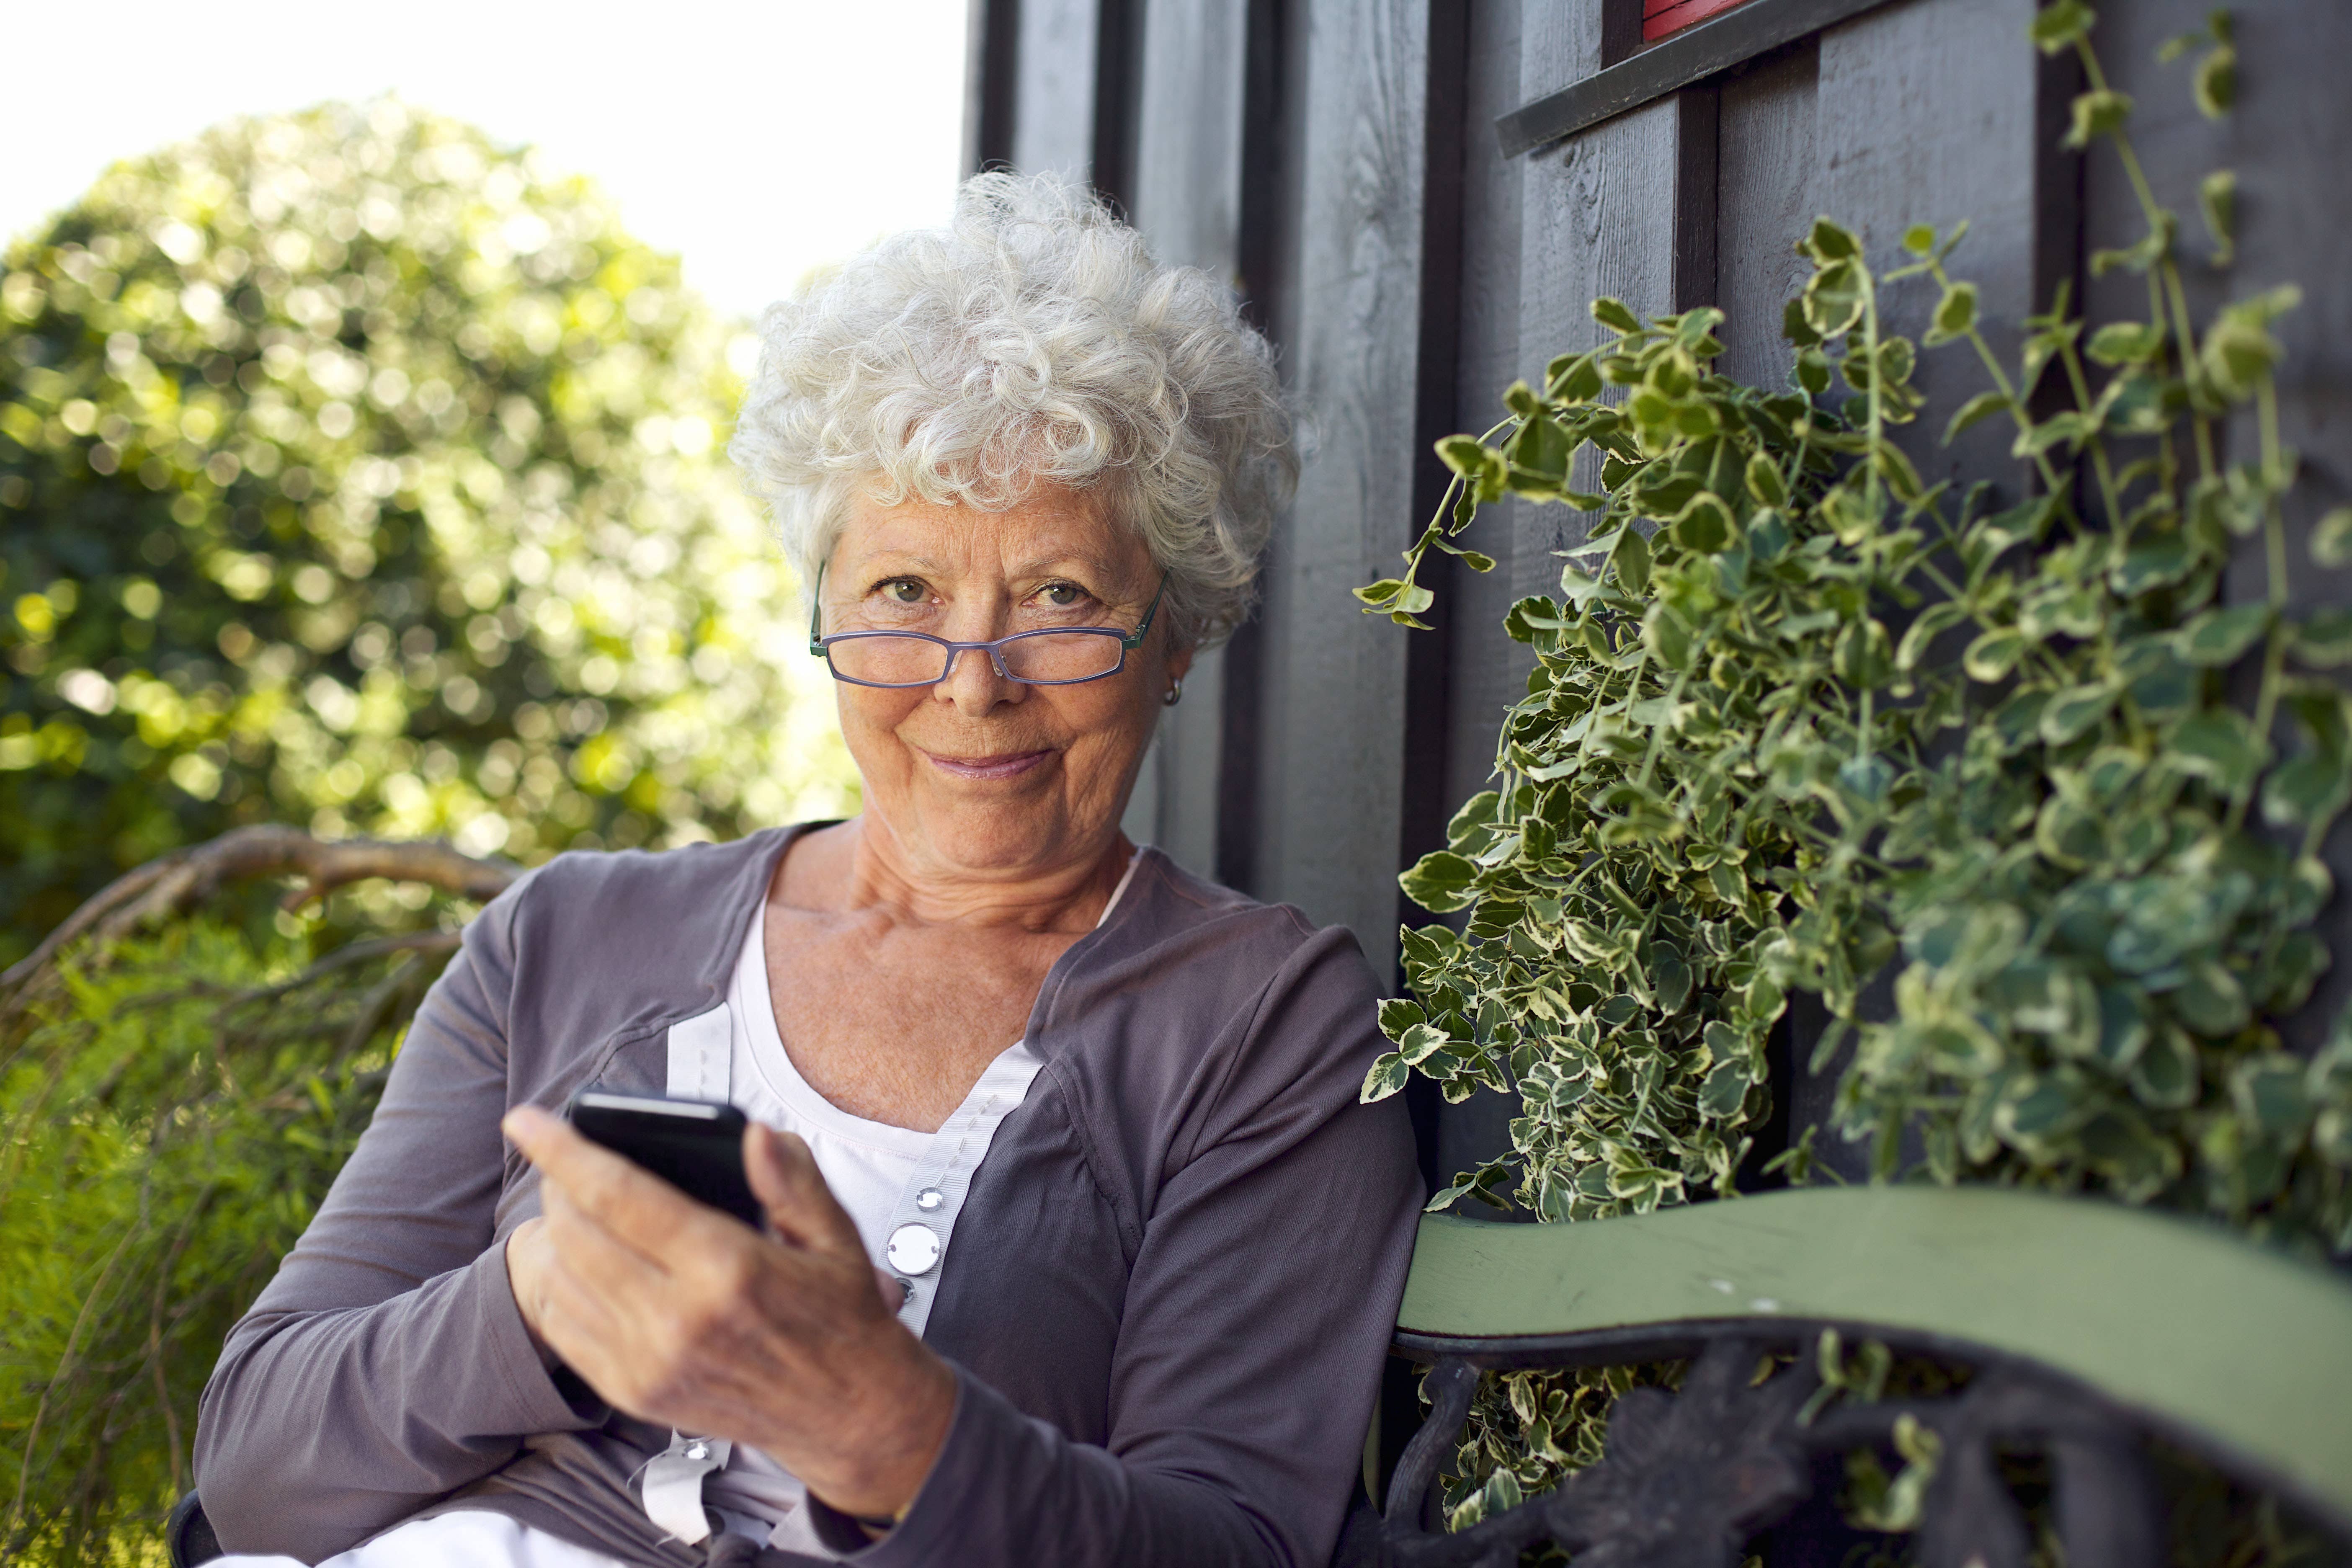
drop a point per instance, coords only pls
(755, 139)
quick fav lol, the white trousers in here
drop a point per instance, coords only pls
(462, 1540)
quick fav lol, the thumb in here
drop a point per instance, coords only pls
(801, 1208)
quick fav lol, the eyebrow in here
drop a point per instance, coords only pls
(1045, 566)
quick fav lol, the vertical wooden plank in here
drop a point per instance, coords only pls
(1334, 680)
(1488, 672)
(1485, 672)
(1764, 201)
(1187, 202)
(1928, 113)
(994, 37)
(1055, 71)
(1597, 218)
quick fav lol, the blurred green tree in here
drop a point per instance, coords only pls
(357, 473)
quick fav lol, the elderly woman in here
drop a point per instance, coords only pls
(1079, 1249)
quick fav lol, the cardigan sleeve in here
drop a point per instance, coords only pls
(387, 1363)
(1257, 1314)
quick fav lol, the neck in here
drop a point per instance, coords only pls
(884, 873)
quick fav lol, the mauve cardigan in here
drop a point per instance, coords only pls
(1166, 1304)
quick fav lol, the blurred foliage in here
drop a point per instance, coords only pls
(170, 1125)
(357, 473)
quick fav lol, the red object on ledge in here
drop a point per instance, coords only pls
(1660, 17)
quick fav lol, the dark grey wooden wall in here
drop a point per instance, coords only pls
(1338, 160)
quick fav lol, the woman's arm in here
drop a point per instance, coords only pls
(386, 1363)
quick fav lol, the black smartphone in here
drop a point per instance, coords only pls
(695, 1145)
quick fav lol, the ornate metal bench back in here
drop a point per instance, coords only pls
(2088, 1327)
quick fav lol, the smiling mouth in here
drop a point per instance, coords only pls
(1005, 765)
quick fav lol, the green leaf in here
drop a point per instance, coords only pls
(2219, 745)
(2220, 638)
(1667, 639)
(1833, 298)
(1896, 470)
(2324, 641)
(2215, 84)
(1723, 1090)
(1982, 407)
(1764, 483)
(1994, 654)
(1956, 314)
(1380, 595)
(2100, 113)
(1576, 380)
(2211, 1002)
(2072, 711)
(2217, 200)
(1704, 525)
(1919, 239)
(1827, 241)
(2308, 791)
(1861, 655)
(2138, 256)
(2331, 538)
(1794, 327)
(2154, 561)
(1440, 882)
(2061, 26)
(2125, 342)
(1928, 625)
(1387, 1075)
(1631, 559)
(2165, 1075)
(1612, 314)
(1812, 368)
(1465, 455)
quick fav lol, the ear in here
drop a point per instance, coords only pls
(1180, 662)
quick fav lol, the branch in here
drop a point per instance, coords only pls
(173, 884)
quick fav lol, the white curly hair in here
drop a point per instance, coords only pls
(1032, 341)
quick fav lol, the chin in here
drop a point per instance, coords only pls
(997, 836)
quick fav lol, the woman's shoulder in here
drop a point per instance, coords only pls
(1215, 958)
(1169, 904)
(634, 905)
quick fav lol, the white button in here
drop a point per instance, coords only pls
(913, 1249)
(930, 1200)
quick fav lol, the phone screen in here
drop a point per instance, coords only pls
(695, 1145)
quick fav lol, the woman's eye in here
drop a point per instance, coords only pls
(903, 591)
(1062, 595)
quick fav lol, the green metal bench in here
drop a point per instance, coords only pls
(2087, 1327)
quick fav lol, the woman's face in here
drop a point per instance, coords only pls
(979, 775)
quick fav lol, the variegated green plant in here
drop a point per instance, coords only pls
(1798, 719)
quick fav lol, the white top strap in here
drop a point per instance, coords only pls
(701, 1056)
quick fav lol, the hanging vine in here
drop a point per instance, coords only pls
(1798, 719)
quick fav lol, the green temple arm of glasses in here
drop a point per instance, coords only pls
(1128, 640)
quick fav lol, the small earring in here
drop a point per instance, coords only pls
(1175, 690)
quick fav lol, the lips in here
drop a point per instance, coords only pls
(1003, 766)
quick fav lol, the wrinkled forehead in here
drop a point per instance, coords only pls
(1049, 528)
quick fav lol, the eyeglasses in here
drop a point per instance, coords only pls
(1058, 656)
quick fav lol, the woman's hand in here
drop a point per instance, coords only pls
(677, 1315)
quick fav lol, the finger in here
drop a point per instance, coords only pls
(596, 1255)
(628, 1201)
(894, 1295)
(801, 1207)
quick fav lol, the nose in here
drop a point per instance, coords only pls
(976, 683)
